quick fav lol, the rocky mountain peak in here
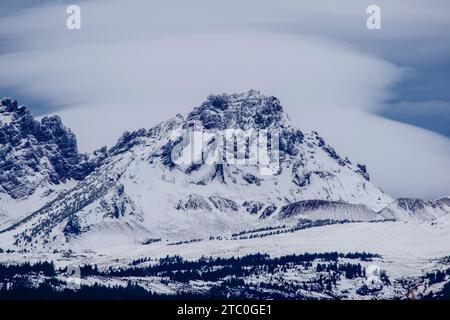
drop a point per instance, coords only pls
(240, 111)
(8, 104)
(34, 153)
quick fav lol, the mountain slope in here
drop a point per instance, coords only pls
(406, 209)
(142, 191)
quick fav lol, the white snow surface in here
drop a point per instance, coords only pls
(407, 248)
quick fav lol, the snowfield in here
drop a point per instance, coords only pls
(408, 250)
(406, 247)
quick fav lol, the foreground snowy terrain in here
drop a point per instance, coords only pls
(407, 251)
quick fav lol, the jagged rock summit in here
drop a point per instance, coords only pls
(37, 158)
(248, 110)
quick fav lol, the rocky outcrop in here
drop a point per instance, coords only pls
(36, 154)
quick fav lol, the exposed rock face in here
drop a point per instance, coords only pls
(36, 154)
(248, 111)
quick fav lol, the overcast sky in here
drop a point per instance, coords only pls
(381, 97)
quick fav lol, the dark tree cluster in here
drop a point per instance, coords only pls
(45, 268)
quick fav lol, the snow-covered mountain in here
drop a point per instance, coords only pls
(38, 159)
(406, 209)
(138, 191)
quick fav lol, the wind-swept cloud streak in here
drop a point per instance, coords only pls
(133, 65)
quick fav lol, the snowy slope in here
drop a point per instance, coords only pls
(416, 209)
(322, 210)
(406, 247)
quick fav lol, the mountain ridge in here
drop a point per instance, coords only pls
(136, 190)
(38, 159)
